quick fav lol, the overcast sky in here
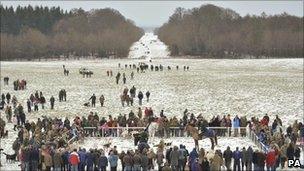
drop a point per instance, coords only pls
(155, 13)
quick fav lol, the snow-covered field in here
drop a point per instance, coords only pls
(244, 87)
(211, 87)
(149, 47)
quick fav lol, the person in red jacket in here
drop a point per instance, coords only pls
(74, 160)
(271, 160)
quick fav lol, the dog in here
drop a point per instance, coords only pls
(10, 157)
(87, 104)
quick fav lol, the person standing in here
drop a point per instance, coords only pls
(101, 100)
(132, 75)
(93, 98)
(228, 156)
(174, 156)
(52, 100)
(8, 98)
(237, 156)
(60, 96)
(113, 159)
(74, 160)
(29, 105)
(124, 79)
(244, 158)
(236, 125)
(42, 101)
(117, 77)
(140, 97)
(148, 95)
(64, 94)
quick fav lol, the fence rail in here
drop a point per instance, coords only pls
(166, 132)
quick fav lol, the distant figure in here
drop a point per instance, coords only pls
(64, 94)
(29, 106)
(140, 97)
(124, 79)
(184, 68)
(108, 73)
(132, 75)
(93, 98)
(148, 95)
(176, 67)
(101, 100)
(117, 77)
(6, 79)
(52, 101)
(111, 73)
(118, 65)
(187, 68)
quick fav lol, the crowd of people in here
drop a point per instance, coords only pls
(128, 96)
(49, 143)
(46, 144)
(19, 84)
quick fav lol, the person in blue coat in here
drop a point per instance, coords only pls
(237, 157)
(113, 159)
(82, 157)
(90, 160)
(236, 125)
(192, 157)
(102, 162)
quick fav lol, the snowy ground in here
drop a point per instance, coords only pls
(149, 47)
(211, 87)
(243, 87)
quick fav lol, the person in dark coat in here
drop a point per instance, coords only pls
(249, 158)
(140, 97)
(228, 156)
(290, 152)
(148, 95)
(82, 157)
(65, 159)
(52, 101)
(42, 101)
(93, 98)
(34, 156)
(192, 156)
(8, 98)
(90, 160)
(29, 105)
(2, 104)
(103, 162)
(261, 161)
(237, 156)
(205, 165)
(64, 94)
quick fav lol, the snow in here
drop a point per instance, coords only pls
(149, 47)
(212, 87)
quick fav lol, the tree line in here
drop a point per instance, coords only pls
(215, 32)
(43, 32)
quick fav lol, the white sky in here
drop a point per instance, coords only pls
(155, 13)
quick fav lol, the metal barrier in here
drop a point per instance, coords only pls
(255, 139)
(166, 132)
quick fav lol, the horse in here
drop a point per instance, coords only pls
(208, 133)
(153, 127)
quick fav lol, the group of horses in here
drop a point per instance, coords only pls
(194, 132)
